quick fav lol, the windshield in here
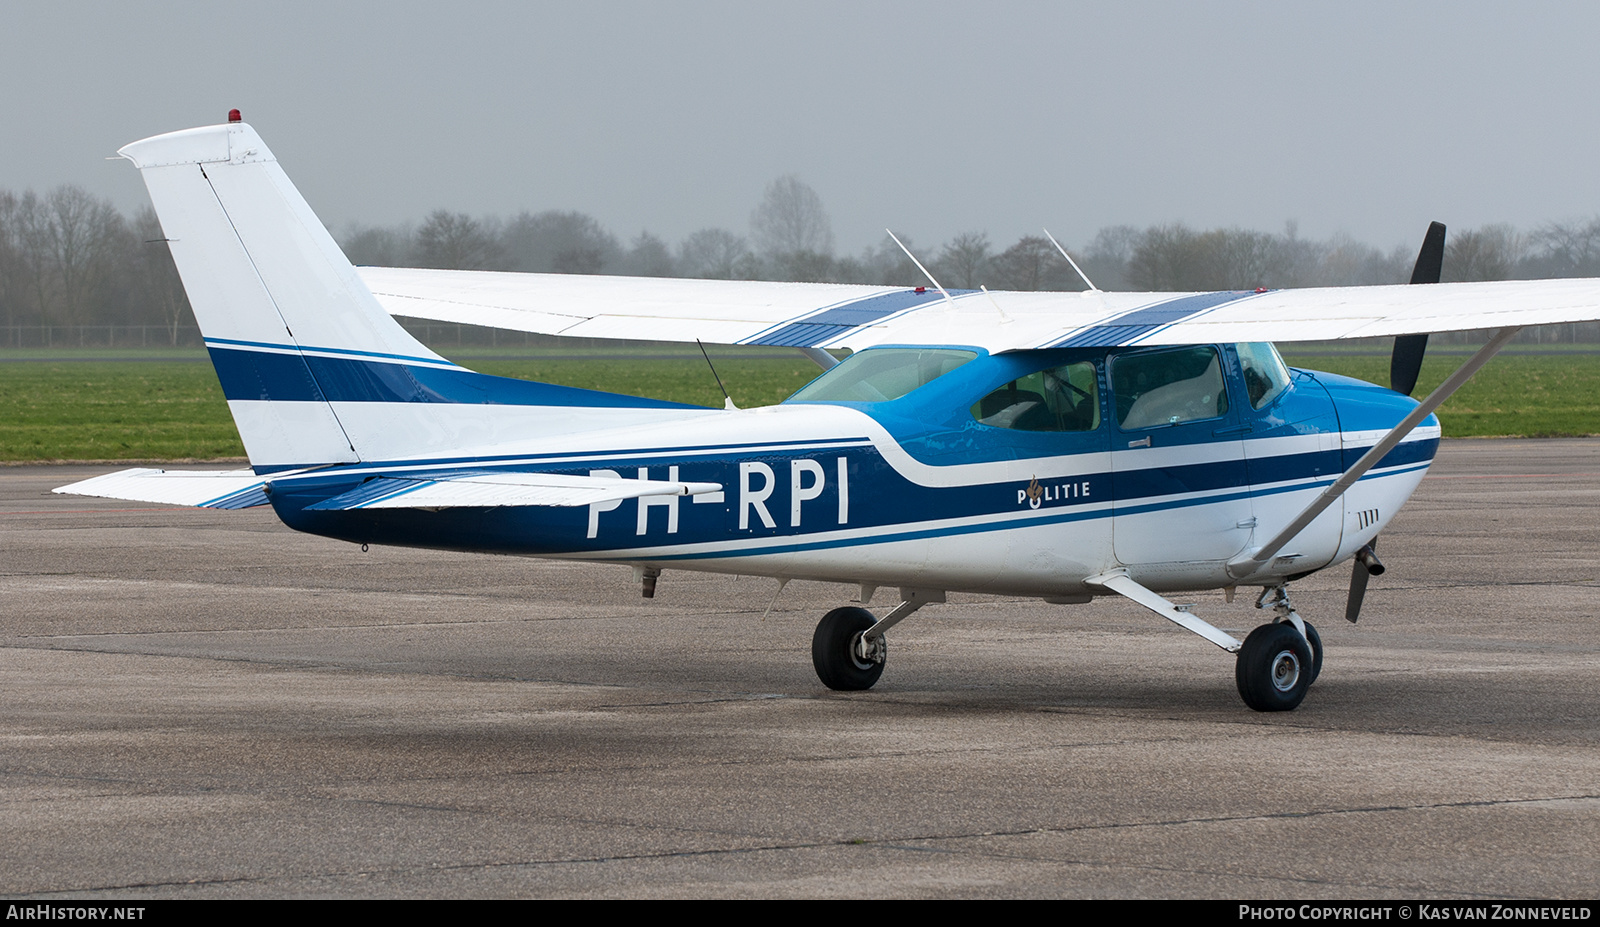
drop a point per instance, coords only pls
(1265, 375)
(882, 374)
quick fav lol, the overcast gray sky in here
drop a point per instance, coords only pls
(930, 117)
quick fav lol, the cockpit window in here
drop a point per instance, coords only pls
(1065, 398)
(882, 374)
(1168, 387)
(1265, 374)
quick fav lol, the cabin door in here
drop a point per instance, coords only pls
(1178, 462)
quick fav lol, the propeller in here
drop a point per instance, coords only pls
(1406, 362)
(1404, 366)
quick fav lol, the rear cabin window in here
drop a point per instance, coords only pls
(1168, 387)
(881, 374)
(1065, 398)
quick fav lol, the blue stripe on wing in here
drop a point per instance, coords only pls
(1130, 326)
(828, 324)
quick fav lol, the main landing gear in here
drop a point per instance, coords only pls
(844, 659)
(1279, 661)
(1274, 668)
(848, 648)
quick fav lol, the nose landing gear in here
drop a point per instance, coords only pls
(1279, 661)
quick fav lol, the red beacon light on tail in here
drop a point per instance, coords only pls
(233, 116)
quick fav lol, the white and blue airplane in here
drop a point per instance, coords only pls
(1060, 446)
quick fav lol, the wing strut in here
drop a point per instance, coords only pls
(1122, 584)
(1246, 564)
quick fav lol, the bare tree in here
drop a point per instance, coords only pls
(455, 241)
(716, 254)
(72, 244)
(1105, 260)
(791, 221)
(1237, 259)
(1347, 262)
(559, 242)
(1033, 263)
(1488, 253)
(804, 267)
(964, 260)
(884, 264)
(378, 247)
(15, 285)
(1164, 258)
(1566, 249)
(649, 257)
(156, 276)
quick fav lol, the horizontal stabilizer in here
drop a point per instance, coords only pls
(206, 489)
(492, 490)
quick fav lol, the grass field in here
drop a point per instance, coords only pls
(62, 405)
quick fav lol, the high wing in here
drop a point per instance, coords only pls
(822, 315)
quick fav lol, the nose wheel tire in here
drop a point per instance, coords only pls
(1315, 640)
(1275, 668)
(834, 650)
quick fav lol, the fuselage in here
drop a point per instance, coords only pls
(1020, 473)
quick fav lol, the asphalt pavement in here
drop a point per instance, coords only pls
(206, 704)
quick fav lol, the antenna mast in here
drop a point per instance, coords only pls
(913, 257)
(1086, 280)
(727, 401)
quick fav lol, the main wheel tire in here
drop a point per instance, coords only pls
(833, 650)
(1274, 668)
(1315, 640)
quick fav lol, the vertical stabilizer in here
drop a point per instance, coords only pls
(274, 295)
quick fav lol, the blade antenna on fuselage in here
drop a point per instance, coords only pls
(936, 284)
(1087, 282)
(727, 401)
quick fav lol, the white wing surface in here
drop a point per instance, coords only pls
(207, 489)
(818, 315)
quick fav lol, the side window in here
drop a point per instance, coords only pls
(1168, 387)
(1265, 374)
(1065, 398)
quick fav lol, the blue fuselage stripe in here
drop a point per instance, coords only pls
(881, 502)
(276, 376)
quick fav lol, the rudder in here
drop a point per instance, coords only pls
(270, 289)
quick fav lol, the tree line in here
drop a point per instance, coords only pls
(68, 258)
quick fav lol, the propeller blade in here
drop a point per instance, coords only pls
(1367, 565)
(1430, 260)
(1358, 591)
(1406, 361)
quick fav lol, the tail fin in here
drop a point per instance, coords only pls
(270, 288)
(315, 372)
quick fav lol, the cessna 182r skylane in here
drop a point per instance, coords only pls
(1052, 445)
